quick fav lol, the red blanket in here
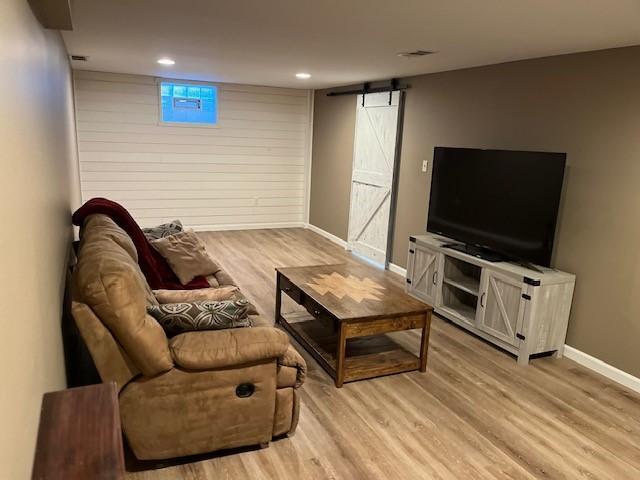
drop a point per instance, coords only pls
(154, 267)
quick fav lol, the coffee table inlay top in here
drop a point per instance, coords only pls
(390, 299)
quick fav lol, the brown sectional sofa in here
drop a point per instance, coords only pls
(194, 393)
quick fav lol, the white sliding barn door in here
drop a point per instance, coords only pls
(372, 177)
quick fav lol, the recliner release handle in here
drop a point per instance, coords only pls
(245, 390)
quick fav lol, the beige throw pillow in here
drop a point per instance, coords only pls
(186, 255)
(188, 296)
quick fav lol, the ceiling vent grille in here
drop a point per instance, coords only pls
(79, 58)
(415, 53)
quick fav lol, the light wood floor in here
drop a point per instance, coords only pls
(473, 414)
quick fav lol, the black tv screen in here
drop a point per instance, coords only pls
(504, 201)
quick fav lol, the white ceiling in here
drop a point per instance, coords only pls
(265, 42)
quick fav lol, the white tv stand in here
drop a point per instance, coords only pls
(521, 310)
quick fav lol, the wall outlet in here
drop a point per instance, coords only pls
(425, 163)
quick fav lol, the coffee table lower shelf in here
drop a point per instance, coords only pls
(364, 357)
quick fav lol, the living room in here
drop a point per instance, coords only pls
(320, 168)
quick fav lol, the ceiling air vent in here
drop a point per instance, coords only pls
(79, 58)
(415, 53)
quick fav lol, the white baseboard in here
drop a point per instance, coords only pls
(338, 241)
(248, 226)
(398, 269)
(327, 235)
(597, 365)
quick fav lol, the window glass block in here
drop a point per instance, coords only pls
(188, 103)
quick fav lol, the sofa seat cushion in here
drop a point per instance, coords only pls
(178, 318)
(225, 348)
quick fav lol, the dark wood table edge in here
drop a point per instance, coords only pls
(419, 311)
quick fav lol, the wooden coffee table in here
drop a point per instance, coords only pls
(351, 309)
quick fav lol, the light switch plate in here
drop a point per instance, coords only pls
(425, 163)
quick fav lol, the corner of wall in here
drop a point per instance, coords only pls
(309, 155)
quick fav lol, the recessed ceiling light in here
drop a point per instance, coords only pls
(166, 61)
(303, 75)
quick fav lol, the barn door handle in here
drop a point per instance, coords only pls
(434, 278)
(482, 299)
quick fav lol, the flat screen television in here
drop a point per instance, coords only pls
(497, 201)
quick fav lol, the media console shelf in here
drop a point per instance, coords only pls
(523, 311)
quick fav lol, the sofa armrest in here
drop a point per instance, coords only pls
(211, 349)
(292, 369)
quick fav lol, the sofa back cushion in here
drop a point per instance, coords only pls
(110, 282)
(102, 225)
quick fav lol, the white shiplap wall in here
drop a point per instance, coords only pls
(248, 172)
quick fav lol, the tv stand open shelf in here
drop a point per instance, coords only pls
(461, 275)
(521, 310)
(470, 287)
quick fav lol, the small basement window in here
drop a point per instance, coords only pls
(188, 103)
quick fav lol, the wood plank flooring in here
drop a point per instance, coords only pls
(473, 415)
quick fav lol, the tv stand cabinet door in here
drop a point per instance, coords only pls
(500, 306)
(425, 274)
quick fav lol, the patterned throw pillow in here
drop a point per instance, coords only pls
(178, 318)
(164, 230)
